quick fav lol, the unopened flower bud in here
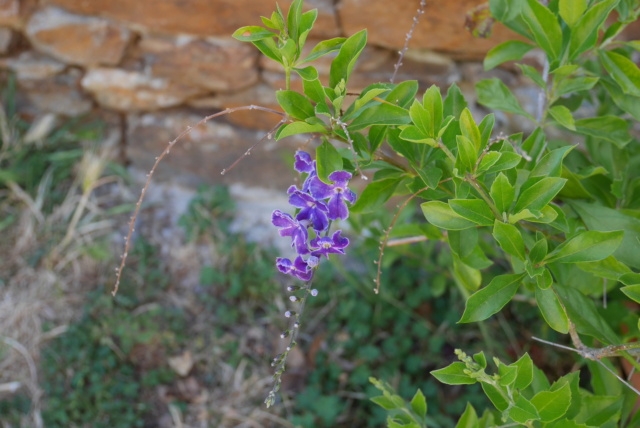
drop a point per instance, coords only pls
(293, 288)
(285, 334)
(289, 314)
(314, 292)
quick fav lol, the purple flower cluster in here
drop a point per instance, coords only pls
(317, 204)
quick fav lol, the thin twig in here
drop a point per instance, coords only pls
(353, 150)
(186, 131)
(385, 240)
(416, 18)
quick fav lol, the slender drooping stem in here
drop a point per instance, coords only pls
(166, 151)
(416, 18)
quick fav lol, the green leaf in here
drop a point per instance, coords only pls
(492, 298)
(367, 96)
(295, 105)
(496, 397)
(467, 154)
(403, 94)
(623, 70)
(488, 161)
(632, 292)
(252, 34)
(575, 84)
(475, 210)
(431, 177)
(508, 374)
(496, 95)
(584, 33)
(597, 217)
(470, 129)
(432, 102)
(307, 73)
(589, 246)
(626, 102)
(328, 160)
(415, 135)
(551, 310)
(532, 74)
(419, 404)
(469, 418)
(466, 276)
(342, 65)
(441, 215)
(551, 164)
(545, 28)
(423, 119)
(512, 50)
(375, 195)
(502, 193)
(509, 239)
(600, 411)
(306, 24)
(571, 10)
(552, 405)
(563, 116)
(525, 372)
(453, 374)
(294, 16)
(382, 114)
(507, 160)
(299, 128)
(608, 128)
(584, 314)
(323, 48)
(454, 102)
(539, 194)
(523, 411)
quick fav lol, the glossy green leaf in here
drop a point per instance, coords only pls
(323, 48)
(538, 251)
(454, 102)
(589, 246)
(533, 74)
(584, 33)
(415, 135)
(584, 314)
(403, 94)
(512, 50)
(523, 411)
(475, 210)
(508, 374)
(441, 215)
(525, 372)
(342, 65)
(569, 85)
(294, 17)
(492, 298)
(502, 193)
(509, 239)
(419, 404)
(571, 10)
(367, 96)
(382, 114)
(295, 105)
(489, 159)
(453, 374)
(597, 217)
(552, 405)
(298, 128)
(432, 102)
(469, 418)
(422, 119)
(306, 24)
(551, 164)
(551, 310)
(545, 280)
(626, 102)
(375, 195)
(624, 71)
(506, 161)
(497, 396)
(467, 154)
(328, 160)
(466, 276)
(563, 116)
(632, 292)
(252, 34)
(539, 194)
(496, 95)
(545, 28)
(470, 129)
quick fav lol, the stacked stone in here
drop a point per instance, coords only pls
(161, 63)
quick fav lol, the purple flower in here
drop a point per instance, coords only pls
(325, 246)
(299, 268)
(337, 193)
(304, 163)
(291, 227)
(310, 209)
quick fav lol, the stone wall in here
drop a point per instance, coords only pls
(152, 67)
